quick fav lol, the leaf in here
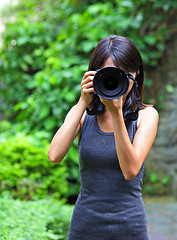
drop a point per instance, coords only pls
(127, 3)
(24, 66)
(70, 96)
(148, 82)
(44, 112)
(22, 40)
(86, 46)
(150, 39)
(93, 9)
(166, 180)
(50, 123)
(28, 59)
(169, 88)
(153, 177)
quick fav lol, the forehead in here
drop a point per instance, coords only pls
(108, 62)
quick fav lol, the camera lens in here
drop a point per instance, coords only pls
(110, 83)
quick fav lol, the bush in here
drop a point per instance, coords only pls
(72, 164)
(27, 173)
(156, 183)
(46, 49)
(34, 220)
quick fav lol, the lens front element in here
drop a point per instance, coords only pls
(110, 82)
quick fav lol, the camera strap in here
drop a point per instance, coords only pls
(138, 100)
(133, 115)
(96, 106)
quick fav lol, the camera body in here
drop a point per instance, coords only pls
(110, 82)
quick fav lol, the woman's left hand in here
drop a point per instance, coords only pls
(114, 106)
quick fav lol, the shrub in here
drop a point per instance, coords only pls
(47, 46)
(34, 220)
(27, 173)
(72, 163)
(156, 183)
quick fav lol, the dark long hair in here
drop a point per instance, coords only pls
(124, 55)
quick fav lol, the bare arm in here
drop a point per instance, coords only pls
(131, 156)
(64, 137)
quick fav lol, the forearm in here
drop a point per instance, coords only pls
(127, 156)
(64, 137)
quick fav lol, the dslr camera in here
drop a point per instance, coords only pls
(111, 82)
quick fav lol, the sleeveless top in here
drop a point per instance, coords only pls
(108, 206)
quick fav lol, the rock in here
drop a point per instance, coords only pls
(163, 154)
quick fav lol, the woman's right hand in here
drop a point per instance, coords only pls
(87, 86)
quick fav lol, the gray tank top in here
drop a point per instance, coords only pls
(108, 207)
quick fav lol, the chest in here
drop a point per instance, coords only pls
(104, 123)
(97, 148)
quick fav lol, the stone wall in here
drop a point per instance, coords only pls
(163, 155)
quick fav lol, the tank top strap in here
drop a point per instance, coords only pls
(88, 123)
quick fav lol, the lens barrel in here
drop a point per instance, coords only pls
(110, 82)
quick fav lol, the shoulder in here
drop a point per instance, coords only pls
(148, 116)
(148, 111)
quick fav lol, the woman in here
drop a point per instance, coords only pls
(113, 145)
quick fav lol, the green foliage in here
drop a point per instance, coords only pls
(72, 163)
(42, 219)
(47, 46)
(169, 88)
(153, 177)
(46, 49)
(156, 184)
(29, 31)
(27, 173)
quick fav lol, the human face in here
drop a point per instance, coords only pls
(109, 62)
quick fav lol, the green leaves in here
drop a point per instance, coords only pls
(47, 49)
(156, 183)
(25, 170)
(50, 123)
(44, 111)
(150, 39)
(153, 177)
(37, 220)
(169, 88)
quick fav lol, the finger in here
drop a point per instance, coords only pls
(88, 90)
(88, 79)
(86, 74)
(87, 86)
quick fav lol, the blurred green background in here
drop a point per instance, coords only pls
(45, 47)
